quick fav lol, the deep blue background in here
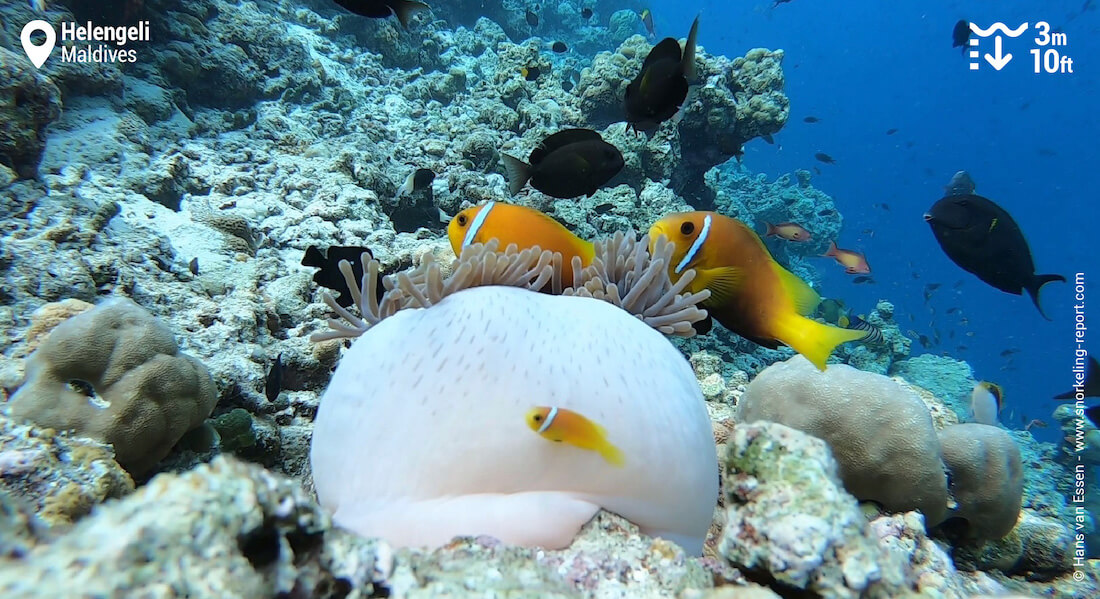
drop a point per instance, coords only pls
(1028, 140)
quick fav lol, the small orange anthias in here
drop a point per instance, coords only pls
(788, 231)
(854, 263)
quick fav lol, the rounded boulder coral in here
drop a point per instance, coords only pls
(115, 373)
(880, 433)
(987, 477)
(421, 434)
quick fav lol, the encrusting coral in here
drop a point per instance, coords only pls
(421, 434)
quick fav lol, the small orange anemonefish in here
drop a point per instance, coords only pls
(566, 426)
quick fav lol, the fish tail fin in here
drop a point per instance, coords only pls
(611, 453)
(812, 339)
(770, 229)
(405, 9)
(518, 173)
(687, 63)
(832, 250)
(1036, 284)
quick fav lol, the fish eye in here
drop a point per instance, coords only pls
(462, 220)
(687, 228)
(538, 417)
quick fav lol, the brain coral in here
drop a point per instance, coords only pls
(881, 434)
(987, 477)
(420, 436)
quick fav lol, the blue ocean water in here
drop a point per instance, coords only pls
(1028, 140)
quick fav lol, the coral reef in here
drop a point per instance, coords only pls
(29, 102)
(734, 102)
(61, 477)
(192, 180)
(236, 530)
(115, 373)
(948, 379)
(827, 546)
(881, 435)
(987, 479)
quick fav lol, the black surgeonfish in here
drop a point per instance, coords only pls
(659, 90)
(983, 239)
(569, 163)
(1091, 385)
(380, 9)
(960, 35)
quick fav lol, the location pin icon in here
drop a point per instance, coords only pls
(38, 54)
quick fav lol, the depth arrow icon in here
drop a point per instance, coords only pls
(997, 61)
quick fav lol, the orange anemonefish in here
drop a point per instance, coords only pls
(523, 226)
(788, 231)
(751, 294)
(854, 263)
(562, 425)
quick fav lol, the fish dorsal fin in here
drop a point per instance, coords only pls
(804, 297)
(687, 64)
(559, 140)
(724, 282)
(666, 49)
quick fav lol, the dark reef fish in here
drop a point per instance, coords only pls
(417, 180)
(569, 163)
(891, 131)
(983, 239)
(530, 73)
(811, 119)
(657, 93)
(273, 384)
(586, 13)
(330, 276)
(559, 47)
(193, 266)
(1090, 385)
(532, 18)
(960, 35)
(823, 157)
(380, 9)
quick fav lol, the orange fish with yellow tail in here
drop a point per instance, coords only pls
(751, 294)
(523, 226)
(566, 426)
(854, 263)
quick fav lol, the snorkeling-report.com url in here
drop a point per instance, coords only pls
(1080, 369)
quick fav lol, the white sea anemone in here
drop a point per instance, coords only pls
(420, 436)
